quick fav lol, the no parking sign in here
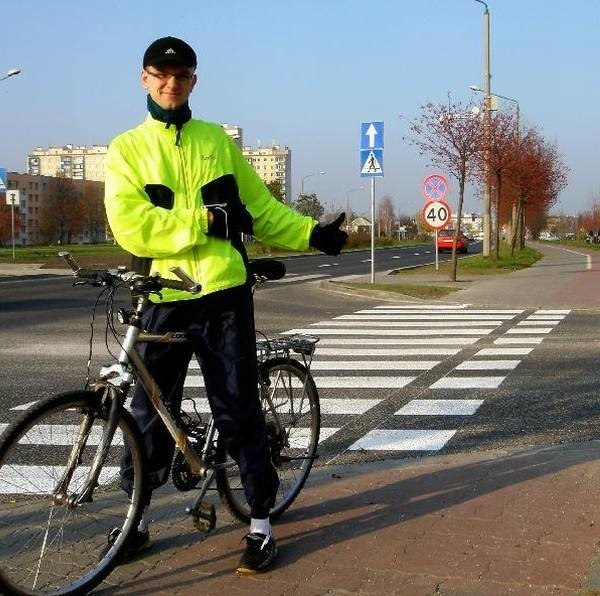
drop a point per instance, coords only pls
(435, 187)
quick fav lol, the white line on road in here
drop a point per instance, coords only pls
(440, 407)
(488, 365)
(468, 383)
(403, 440)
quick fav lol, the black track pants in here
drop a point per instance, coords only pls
(220, 328)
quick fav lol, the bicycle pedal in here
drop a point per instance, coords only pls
(204, 516)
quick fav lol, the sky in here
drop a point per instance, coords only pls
(305, 74)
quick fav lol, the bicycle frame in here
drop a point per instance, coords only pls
(115, 381)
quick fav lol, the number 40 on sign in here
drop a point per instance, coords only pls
(436, 214)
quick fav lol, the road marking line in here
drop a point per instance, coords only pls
(468, 383)
(39, 479)
(388, 351)
(379, 332)
(529, 330)
(418, 317)
(504, 352)
(441, 341)
(419, 324)
(488, 365)
(403, 440)
(373, 364)
(440, 407)
(518, 340)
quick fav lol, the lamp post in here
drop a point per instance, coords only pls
(518, 108)
(308, 176)
(348, 205)
(486, 130)
(11, 73)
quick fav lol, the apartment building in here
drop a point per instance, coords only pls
(272, 163)
(35, 194)
(234, 131)
(32, 191)
(70, 161)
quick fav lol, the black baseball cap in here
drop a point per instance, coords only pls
(169, 50)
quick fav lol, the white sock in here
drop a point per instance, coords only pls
(143, 525)
(260, 526)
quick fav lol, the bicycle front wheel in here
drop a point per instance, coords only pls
(48, 543)
(291, 406)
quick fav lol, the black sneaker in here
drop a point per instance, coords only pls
(137, 542)
(259, 555)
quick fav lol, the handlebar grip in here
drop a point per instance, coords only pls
(173, 284)
(90, 273)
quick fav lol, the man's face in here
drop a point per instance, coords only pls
(169, 86)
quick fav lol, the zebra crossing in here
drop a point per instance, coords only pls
(370, 358)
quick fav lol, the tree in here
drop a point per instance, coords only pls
(94, 215)
(309, 205)
(6, 221)
(538, 176)
(276, 189)
(61, 213)
(452, 138)
(386, 215)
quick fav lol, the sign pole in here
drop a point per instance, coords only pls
(12, 212)
(437, 263)
(372, 230)
(371, 166)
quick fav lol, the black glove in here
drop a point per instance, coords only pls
(228, 216)
(329, 238)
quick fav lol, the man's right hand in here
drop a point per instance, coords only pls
(227, 220)
(227, 215)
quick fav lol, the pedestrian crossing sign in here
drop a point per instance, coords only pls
(371, 163)
(2, 179)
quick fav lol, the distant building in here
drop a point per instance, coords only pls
(235, 132)
(272, 163)
(35, 191)
(32, 190)
(76, 162)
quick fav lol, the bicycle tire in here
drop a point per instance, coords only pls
(293, 461)
(48, 547)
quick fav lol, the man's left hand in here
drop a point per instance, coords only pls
(329, 238)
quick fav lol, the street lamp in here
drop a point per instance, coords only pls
(518, 110)
(11, 73)
(348, 205)
(308, 176)
(487, 212)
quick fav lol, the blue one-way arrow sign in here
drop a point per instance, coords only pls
(371, 135)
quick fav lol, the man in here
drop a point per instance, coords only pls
(178, 193)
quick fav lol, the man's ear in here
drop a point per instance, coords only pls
(144, 79)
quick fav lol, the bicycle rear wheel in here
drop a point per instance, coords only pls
(288, 393)
(48, 546)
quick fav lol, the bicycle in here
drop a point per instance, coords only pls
(55, 517)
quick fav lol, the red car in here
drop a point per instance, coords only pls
(446, 239)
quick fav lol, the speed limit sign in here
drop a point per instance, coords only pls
(436, 214)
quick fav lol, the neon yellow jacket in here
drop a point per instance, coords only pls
(148, 154)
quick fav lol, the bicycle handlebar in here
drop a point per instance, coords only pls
(262, 270)
(138, 283)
